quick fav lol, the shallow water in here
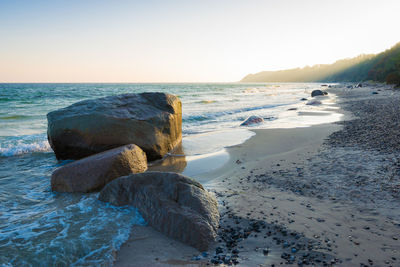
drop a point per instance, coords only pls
(42, 228)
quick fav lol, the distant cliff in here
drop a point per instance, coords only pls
(383, 67)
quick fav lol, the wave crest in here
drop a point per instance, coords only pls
(19, 149)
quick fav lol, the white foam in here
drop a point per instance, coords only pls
(19, 149)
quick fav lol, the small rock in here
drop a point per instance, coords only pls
(317, 93)
(197, 258)
(252, 120)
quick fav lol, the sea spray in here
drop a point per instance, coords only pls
(18, 145)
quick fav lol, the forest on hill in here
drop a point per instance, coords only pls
(383, 67)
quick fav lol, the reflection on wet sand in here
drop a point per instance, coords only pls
(193, 166)
(173, 162)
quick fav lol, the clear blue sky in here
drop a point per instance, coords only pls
(184, 41)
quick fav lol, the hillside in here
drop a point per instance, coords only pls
(383, 67)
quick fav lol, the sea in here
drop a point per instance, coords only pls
(39, 227)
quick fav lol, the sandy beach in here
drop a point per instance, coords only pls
(301, 196)
(199, 133)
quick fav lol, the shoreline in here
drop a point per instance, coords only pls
(147, 247)
(269, 181)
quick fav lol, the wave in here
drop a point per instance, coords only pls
(215, 115)
(19, 149)
(5, 99)
(14, 117)
(206, 101)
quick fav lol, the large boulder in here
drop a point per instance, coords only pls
(94, 172)
(153, 121)
(173, 204)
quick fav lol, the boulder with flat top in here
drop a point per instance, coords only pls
(153, 121)
(173, 204)
(94, 172)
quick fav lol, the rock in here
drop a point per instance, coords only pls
(314, 102)
(219, 250)
(153, 121)
(374, 93)
(316, 93)
(173, 204)
(359, 85)
(350, 87)
(303, 99)
(94, 172)
(252, 120)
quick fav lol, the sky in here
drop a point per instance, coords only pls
(184, 40)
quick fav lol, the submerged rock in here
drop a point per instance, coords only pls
(173, 204)
(314, 102)
(252, 120)
(94, 172)
(153, 121)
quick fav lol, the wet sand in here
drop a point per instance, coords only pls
(300, 196)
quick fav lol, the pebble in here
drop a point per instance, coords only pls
(360, 133)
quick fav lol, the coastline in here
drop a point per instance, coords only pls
(147, 247)
(276, 179)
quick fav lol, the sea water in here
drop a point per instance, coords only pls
(42, 228)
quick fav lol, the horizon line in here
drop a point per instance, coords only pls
(153, 82)
(109, 82)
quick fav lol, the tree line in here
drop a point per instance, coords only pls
(382, 67)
